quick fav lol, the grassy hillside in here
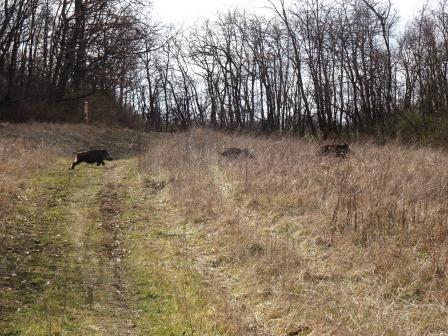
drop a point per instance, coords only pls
(173, 239)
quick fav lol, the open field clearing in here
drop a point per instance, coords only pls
(174, 239)
(316, 245)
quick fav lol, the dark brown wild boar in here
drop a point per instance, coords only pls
(93, 156)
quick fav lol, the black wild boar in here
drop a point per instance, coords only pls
(337, 150)
(93, 156)
(342, 150)
(234, 152)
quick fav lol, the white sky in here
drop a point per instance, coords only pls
(188, 11)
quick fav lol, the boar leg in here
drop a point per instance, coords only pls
(75, 163)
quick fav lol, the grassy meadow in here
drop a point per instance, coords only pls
(317, 245)
(174, 239)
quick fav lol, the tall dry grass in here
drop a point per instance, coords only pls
(318, 245)
(18, 160)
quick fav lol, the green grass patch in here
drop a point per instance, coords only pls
(41, 288)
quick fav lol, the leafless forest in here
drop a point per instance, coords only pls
(312, 67)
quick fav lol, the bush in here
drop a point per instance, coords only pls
(411, 126)
(414, 127)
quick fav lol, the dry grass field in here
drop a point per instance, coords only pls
(174, 239)
(315, 245)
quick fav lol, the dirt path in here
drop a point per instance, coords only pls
(62, 257)
(113, 253)
(102, 234)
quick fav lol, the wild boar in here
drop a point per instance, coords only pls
(93, 156)
(234, 152)
(340, 150)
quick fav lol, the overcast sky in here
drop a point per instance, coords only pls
(189, 11)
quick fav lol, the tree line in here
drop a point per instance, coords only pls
(312, 67)
(53, 52)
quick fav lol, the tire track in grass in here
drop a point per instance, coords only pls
(100, 232)
(113, 253)
(249, 243)
(61, 264)
(202, 245)
(175, 296)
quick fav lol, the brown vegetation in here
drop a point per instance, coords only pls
(18, 159)
(316, 245)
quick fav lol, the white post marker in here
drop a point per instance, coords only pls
(86, 112)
